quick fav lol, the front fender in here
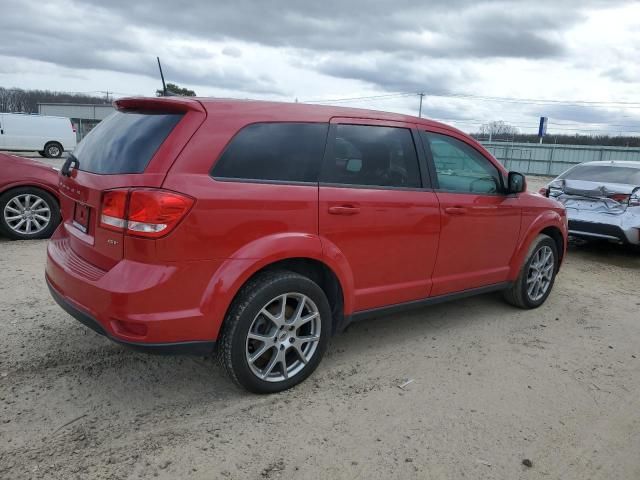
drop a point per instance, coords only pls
(251, 258)
(546, 219)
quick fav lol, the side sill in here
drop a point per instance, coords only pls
(425, 302)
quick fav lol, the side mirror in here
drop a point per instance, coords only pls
(516, 183)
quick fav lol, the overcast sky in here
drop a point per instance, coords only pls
(452, 50)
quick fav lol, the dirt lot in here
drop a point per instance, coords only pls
(492, 386)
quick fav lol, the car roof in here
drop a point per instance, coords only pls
(278, 111)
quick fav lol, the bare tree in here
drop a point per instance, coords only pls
(498, 128)
(19, 100)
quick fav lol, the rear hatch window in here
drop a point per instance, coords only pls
(125, 141)
(604, 173)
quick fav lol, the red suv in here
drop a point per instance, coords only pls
(263, 228)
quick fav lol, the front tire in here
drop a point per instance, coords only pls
(276, 332)
(28, 213)
(53, 150)
(533, 286)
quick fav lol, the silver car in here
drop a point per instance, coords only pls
(602, 200)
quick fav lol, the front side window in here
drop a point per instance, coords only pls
(288, 152)
(372, 156)
(460, 168)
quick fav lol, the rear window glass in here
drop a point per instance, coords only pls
(376, 156)
(290, 152)
(604, 173)
(124, 142)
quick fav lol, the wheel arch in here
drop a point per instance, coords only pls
(48, 142)
(54, 193)
(300, 253)
(549, 223)
(312, 268)
(556, 235)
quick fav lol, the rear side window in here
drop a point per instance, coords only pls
(288, 152)
(604, 173)
(374, 156)
(124, 142)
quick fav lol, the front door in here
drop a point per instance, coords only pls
(378, 212)
(480, 224)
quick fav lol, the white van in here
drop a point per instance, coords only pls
(49, 136)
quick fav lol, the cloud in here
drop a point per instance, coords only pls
(391, 74)
(232, 52)
(279, 49)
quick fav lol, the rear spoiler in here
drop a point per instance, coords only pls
(165, 104)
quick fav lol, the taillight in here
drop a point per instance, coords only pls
(620, 197)
(153, 213)
(544, 191)
(114, 210)
(148, 213)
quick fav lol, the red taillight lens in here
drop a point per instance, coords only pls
(619, 197)
(114, 210)
(544, 191)
(143, 212)
(153, 213)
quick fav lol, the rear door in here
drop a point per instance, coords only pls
(133, 147)
(480, 224)
(377, 210)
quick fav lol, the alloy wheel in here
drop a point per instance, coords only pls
(283, 337)
(27, 214)
(540, 273)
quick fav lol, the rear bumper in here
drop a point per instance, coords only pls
(623, 228)
(186, 348)
(158, 306)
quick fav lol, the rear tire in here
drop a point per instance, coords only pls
(537, 276)
(33, 205)
(41, 153)
(53, 150)
(275, 332)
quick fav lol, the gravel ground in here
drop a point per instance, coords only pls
(492, 386)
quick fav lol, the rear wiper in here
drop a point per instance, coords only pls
(71, 162)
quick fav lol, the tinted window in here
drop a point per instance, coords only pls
(124, 142)
(275, 151)
(604, 173)
(376, 156)
(460, 168)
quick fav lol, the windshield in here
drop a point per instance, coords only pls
(604, 174)
(124, 142)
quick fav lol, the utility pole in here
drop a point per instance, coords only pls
(106, 92)
(421, 95)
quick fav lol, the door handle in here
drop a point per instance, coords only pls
(455, 210)
(344, 210)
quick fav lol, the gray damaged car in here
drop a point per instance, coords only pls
(602, 200)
